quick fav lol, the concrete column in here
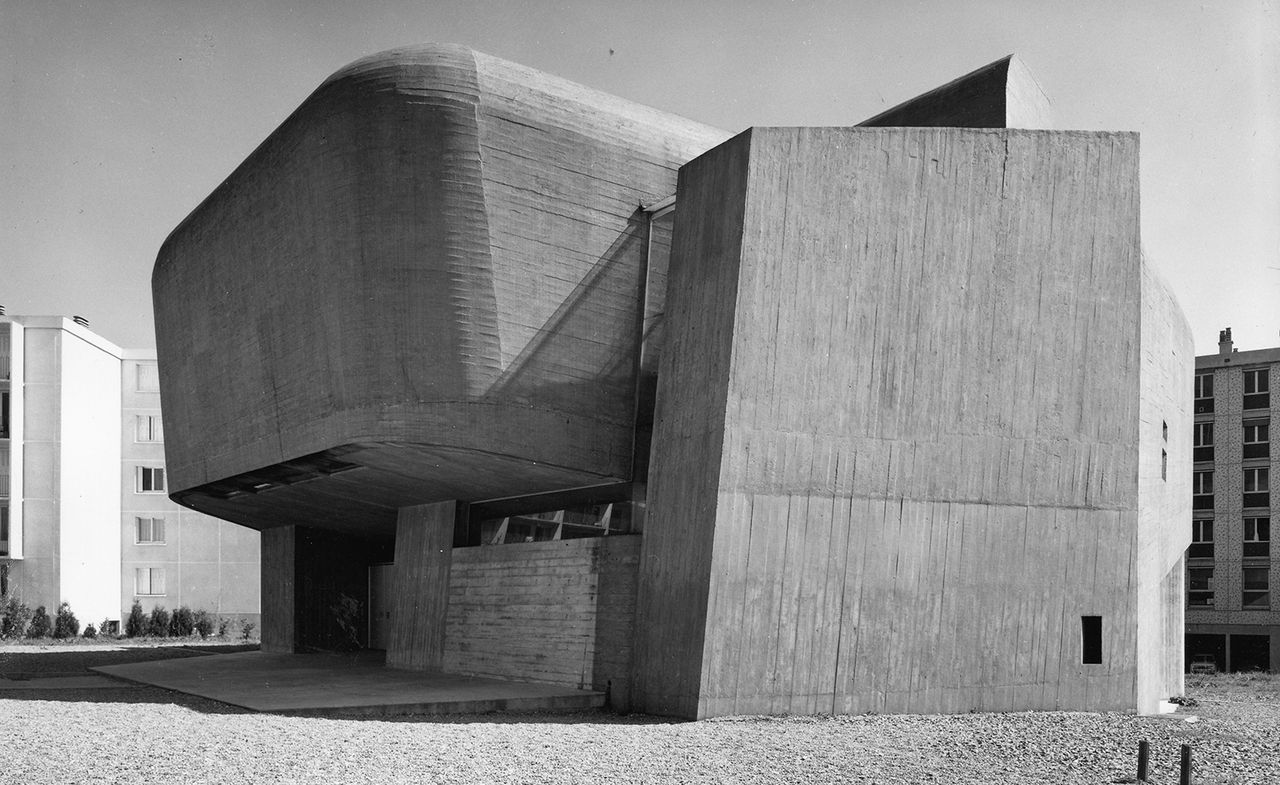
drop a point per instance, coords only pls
(424, 552)
(279, 609)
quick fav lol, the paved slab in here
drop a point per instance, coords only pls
(345, 685)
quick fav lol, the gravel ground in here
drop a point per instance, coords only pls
(144, 734)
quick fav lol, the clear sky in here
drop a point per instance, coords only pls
(118, 116)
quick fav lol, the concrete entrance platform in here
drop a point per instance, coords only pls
(334, 684)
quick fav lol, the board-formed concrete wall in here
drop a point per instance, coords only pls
(1164, 505)
(435, 264)
(896, 449)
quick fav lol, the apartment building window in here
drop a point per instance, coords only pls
(148, 581)
(1257, 487)
(1202, 490)
(4, 528)
(1257, 439)
(148, 428)
(1200, 586)
(148, 377)
(150, 531)
(1202, 444)
(4, 415)
(1204, 393)
(1257, 537)
(1257, 389)
(1201, 540)
(1255, 592)
(150, 479)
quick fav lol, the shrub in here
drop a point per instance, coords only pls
(246, 629)
(40, 626)
(158, 626)
(223, 624)
(14, 618)
(346, 614)
(104, 627)
(90, 631)
(65, 623)
(137, 623)
(203, 623)
(182, 623)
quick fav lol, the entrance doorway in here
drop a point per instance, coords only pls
(1250, 653)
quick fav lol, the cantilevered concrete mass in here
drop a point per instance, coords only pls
(429, 274)
(891, 420)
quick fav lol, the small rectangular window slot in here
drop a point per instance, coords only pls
(1091, 640)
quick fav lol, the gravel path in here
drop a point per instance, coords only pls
(144, 734)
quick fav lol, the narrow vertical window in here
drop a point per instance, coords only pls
(1257, 439)
(1202, 443)
(1257, 487)
(5, 352)
(1204, 393)
(1202, 490)
(1091, 640)
(1164, 465)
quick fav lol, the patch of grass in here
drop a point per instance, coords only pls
(1249, 681)
(23, 664)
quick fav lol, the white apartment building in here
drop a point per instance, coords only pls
(84, 513)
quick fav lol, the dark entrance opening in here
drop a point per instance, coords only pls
(1204, 651)
(1250, 652)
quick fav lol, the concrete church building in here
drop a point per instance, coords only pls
(882, 418)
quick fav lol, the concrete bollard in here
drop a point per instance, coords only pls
(1144, 755)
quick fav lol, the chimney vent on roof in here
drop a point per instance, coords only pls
(80, 320)
(1224, 341)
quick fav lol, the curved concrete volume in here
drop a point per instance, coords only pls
(431, 271)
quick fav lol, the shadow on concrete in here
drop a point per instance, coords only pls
(583, 357)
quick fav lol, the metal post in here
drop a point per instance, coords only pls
(1144, 754)
(1185, 777)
